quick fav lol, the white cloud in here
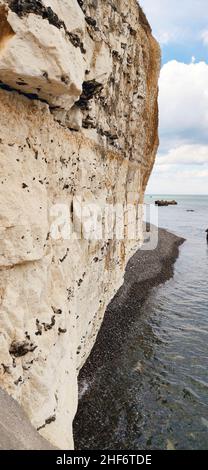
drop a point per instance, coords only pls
(185, 155)
(183, 101)
(194, 174)
(204, 37)
(182, 163)
(178, 182)
(179, 19)
(164, 37)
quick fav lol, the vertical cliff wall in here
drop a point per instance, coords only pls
(78, 125)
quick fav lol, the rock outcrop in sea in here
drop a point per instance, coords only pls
(78, 126)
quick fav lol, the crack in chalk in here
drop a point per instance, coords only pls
(49, 420)
(90, 89)
(30, 96)
(64, 257)
(6, 369)
(25, 7)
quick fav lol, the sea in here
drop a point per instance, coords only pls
(157, 395)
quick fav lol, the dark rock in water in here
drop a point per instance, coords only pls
(162, 202)
(190, 210)
(16, 432)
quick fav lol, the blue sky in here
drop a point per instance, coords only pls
(181, 26)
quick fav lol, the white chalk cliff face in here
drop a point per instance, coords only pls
(78, 121)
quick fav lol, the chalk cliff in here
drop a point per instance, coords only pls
(78, 126)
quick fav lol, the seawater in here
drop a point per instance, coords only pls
(156, 395)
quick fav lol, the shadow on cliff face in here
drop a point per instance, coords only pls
(105, 375)
(16, 431)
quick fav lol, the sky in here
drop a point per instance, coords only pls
(181, 27)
